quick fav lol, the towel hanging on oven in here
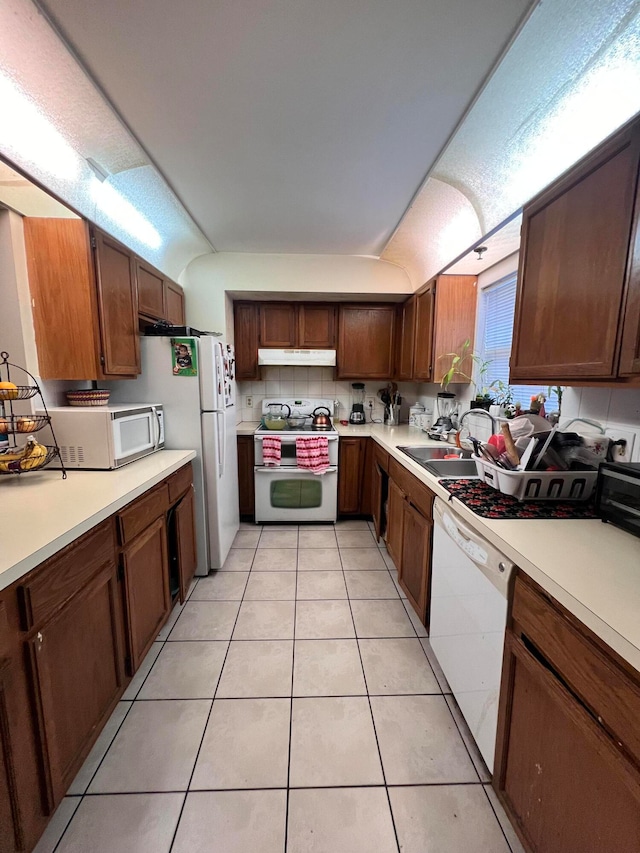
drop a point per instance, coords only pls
(271, 450)
(312, 453)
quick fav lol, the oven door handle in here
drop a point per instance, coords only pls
(285, 469)
(290, 439)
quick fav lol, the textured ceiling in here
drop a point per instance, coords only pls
(292, 125)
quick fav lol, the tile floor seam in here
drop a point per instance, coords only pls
(293, 666)
(204, 731)
(373, 722)
(488, 798)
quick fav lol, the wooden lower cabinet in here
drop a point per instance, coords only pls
(395, 522)
(246, 485)
(351, 456)
(414, 571)
(76, 664)
(379, 488)
(567, 758)
(146, 578)
(186, 545)
(409, 535)
(66, 629)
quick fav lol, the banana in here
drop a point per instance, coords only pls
(31, 456)
(34, 458)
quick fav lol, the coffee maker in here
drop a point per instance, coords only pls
(356, 416)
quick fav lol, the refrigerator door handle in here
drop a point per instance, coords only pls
(222, 442)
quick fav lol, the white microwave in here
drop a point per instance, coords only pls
(105, 437)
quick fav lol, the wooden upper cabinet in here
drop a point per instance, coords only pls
(245, 315)
(174, 303)
(423, 344)
(572, 280)
(630, 345)
(405, 339)
(63, 297)
(278, 327)
(454, 323)
(365, 341)
(84, 303)
(316, 326)
(150, 291)
(118, 306)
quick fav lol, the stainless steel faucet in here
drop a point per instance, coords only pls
(478, 412)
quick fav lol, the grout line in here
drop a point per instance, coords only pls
(373, 722)
(495, 814)
(293, 664)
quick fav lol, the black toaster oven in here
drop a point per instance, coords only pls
(618, 494)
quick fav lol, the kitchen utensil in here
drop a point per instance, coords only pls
(296, 420)
(510, 448)
(540, 455)
(526, 456)
(275, 417)
(392, 414)
(320, 420)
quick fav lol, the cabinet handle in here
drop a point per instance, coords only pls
(40, 638)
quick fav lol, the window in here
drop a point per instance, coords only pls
(495, 330)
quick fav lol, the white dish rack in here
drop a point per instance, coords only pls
(538, 485)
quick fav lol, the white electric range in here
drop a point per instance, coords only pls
(289, 494)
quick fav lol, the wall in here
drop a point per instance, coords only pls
(208, 277)
(280, 383)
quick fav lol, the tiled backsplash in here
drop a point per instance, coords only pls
(611, 407)
(287, 382)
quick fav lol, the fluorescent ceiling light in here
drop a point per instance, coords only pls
(124, 214)
(28, 132)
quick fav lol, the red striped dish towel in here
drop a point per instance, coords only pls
(271, 450)
(312, 453)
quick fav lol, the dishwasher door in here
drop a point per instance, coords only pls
(470, 582)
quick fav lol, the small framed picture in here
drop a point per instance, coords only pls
(184, 357)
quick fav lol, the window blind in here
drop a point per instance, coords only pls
(497, 310)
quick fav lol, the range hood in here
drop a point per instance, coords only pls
(305, 357)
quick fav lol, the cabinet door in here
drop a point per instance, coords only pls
(246, 486)
(174, 303)
(118, 304)
(186, 542)
(376, 499)
(316, 326)
(146, 576)
(395, 521)
(278, 325)
(405, 339)
(246, 340)
(561, 776)
(365, 341)
(423, 351)
(351, 453)
(150, 291)
(571, 280)
(368, 473)
(76, 660)
(11, 834)
(455, 323)
(415, 566)
(630, 350)
(63, 297)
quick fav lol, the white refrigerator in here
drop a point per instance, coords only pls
(199, 414)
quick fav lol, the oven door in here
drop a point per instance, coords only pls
(288, 450)
(293, 495)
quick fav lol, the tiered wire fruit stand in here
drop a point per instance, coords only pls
(22, 458)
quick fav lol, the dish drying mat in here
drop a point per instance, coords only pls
(490, 503)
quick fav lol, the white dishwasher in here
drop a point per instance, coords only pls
(470, 582)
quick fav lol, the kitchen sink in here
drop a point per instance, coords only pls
(432, 459)
(464, 468)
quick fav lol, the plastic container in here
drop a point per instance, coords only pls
(538, 485)
(415, 413)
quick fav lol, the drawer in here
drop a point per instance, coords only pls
(381, 457)
(417, 493)
(141, 513)
(602, 685)
(180, 482)
(60, 577)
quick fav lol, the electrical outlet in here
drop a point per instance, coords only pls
(621, 454)
(248, 401)
(370, 402)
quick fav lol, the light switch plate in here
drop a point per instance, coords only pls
(621, 454)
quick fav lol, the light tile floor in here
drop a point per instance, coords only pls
(291, 705)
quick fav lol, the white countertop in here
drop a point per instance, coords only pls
(592, 568)
(41, 513)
